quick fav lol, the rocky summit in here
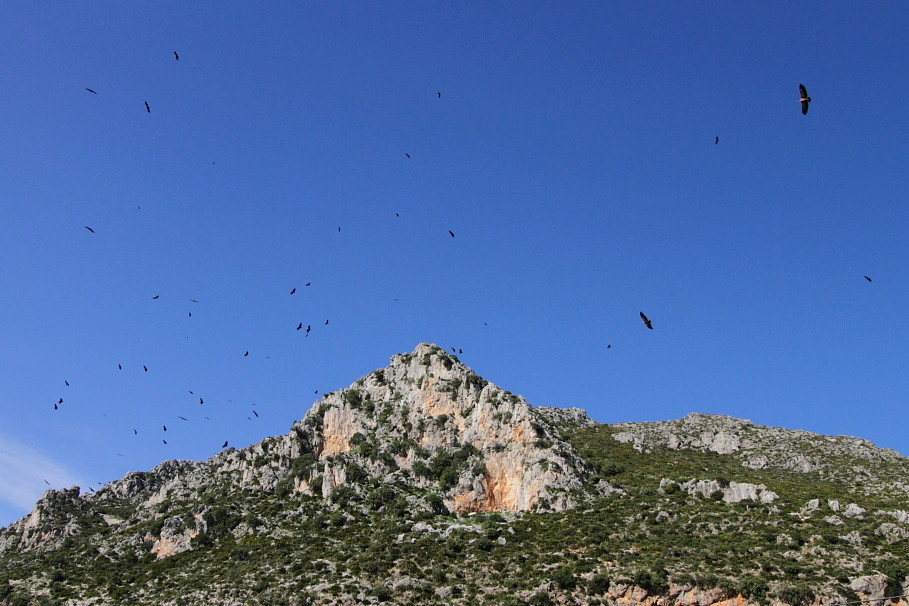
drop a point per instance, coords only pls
(424, 483)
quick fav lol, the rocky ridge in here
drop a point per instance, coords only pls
(423, 483)
(425, 421)
(760, 447)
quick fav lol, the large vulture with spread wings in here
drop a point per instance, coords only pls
(804, 99)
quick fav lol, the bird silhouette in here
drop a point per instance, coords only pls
(308, 328)
(60, 401)
(156, 296)
(201, 401)
(804, 99)
(182, 418)
(46, 482)
(165, 427)
(224, 445)
(89, 229)
(867, 278)
(326, 322)
(293, 291)
(717, 140)
(56, 407)
(135, 433)
(309, 284)
(165, 441)
(406, 154)
(194, 300)
(439, 94)
(147, 108)
(145, 368)
(451, 233)
(246, 354)
(609, 347)
(119, 367)
(91, 91)
(647, 322)
(255, 413)
(176, 56)
(66, 382)
(300, 325)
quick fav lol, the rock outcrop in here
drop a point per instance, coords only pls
(759, 447)
(426, 422)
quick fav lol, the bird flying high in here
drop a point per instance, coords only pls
(647, 322)
(804, 99)
(91, 91)
(147, 108)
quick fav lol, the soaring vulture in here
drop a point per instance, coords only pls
(804, 99)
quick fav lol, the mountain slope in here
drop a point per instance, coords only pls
(423, 483)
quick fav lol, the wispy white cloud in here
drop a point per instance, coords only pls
(23, 470)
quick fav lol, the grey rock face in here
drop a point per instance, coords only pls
(426, 404)
(871, 586)
(758, 447)
(734, 492)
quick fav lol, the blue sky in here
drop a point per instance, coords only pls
(571, 152)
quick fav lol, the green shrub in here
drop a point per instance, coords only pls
(563, 577)
(342, 495)
(381, 593)
(653, 582)
(353, 398)
(380, 497)
(795, 595)
(599, 584)
(354, 473)
(541, 598)
(754, 588)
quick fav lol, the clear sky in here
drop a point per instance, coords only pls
(571, 153)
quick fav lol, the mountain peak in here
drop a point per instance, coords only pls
(426, 407)
(426, 427)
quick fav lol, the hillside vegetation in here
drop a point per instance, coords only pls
(694, 511)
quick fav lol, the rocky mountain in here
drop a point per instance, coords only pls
(424, 483)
